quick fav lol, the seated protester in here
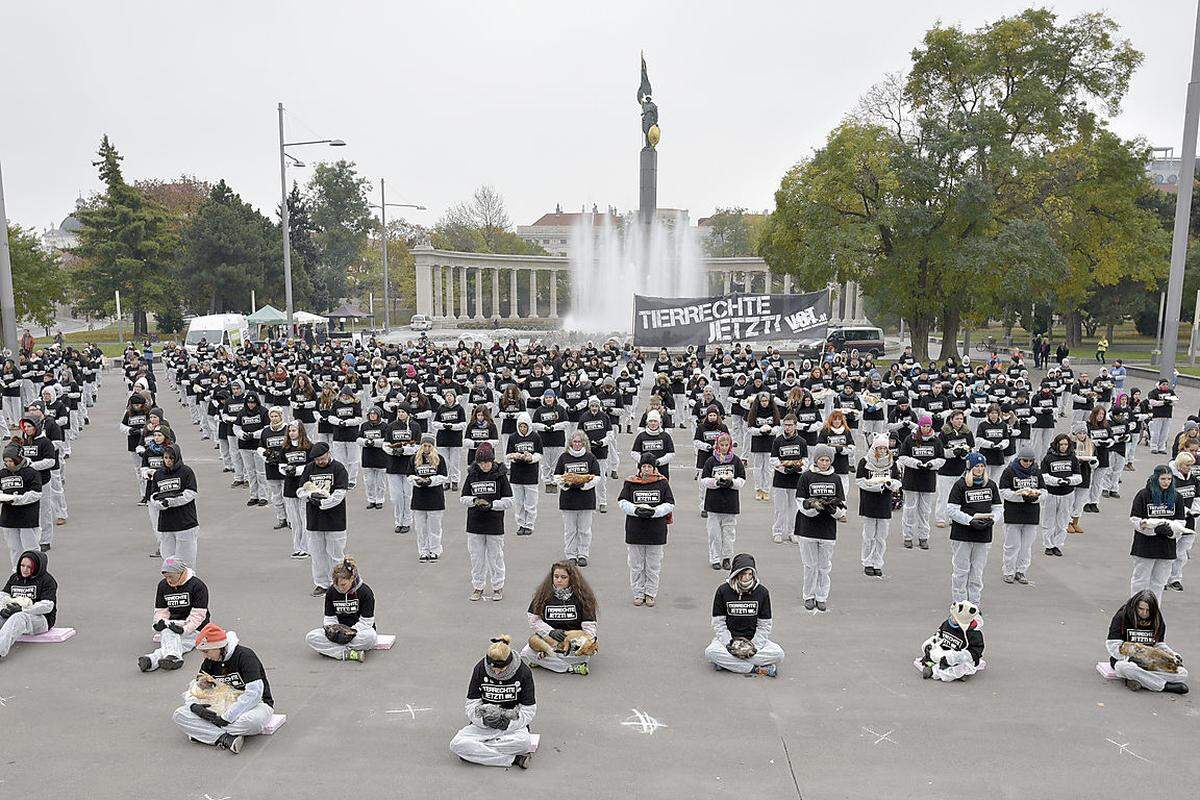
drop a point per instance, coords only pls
(1158, 516)
(956, 650)
(174, 498)
(647, 501)
(878, 480)
(562, 604)
(577, 473)
(1022, 489)
(974, 508)
(657, 442)
(348, 630)
(741, 620)
(500, 705)
(233, 664)
(721, 481)
(1137, 649)
(820, 506)
(20, 495)
(486, 493)
(29, 601)
(180, 610)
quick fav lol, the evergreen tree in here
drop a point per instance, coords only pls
(338, 197)
(228, 248)
(127, 243)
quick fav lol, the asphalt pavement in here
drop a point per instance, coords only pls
(848, 716)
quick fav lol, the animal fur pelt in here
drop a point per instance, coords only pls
(576, 643)
(1149, 658)
(216, 695)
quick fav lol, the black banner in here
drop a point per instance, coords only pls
(682, 321)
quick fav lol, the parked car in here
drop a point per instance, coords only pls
(229, 330)
(420, 322)
(864, 338)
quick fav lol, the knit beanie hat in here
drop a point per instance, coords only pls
(484, 453)
(821, 451)
(974, 460)
(173, 566)
(319, 449)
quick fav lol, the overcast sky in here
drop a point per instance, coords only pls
(537, 99)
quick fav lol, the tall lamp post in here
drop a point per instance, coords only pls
(287, 233)
(383, 207)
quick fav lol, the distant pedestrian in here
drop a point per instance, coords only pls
(1061, 352)
(1101, 349)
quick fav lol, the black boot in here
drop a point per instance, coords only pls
(1174, 687)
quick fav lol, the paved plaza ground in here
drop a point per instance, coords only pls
(848, 716)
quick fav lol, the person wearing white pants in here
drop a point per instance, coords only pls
(576, 474)
(348, 602)
(427, 479)
(501, 702)
(563, 602)
(1139, 624)
(373, 458)
(741, 622)
(173, 496)
(788, 452)
(246, 430)
(486, 494)
(821, 504)
(1187, 486)
(524, 455)
(323, 486)
(878, 479)
(346, 416)
(957, 441)
(1158, 516)
(20, 503)
(1162, 402)
(1061, 474)
(974, 507)
(236, 665)
(646, 499)
(402, 439)
(721, 481)
(1022, 489)
(29, 600)
(180, 611)
(292, 460)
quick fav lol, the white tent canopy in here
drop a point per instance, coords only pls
(305, 318)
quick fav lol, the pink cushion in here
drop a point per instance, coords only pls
(384, 641)
(1106, 671)
(534, 738)
(52, 636)
(274, 724)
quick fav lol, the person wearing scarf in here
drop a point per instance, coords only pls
(577, 501)
(563, 602)
(1158, 516)
(821, 504)
(348, 602)
(1022, 489)
(974, 506)
(921, 455)
(1187, 486)
(877, 479)
(721, 480)
(647, 501)
(741, 621)
(501, 703)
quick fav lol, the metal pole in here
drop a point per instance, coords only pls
(1195, 329)
(8, 303)
(387, 304)
(1183, 208)
(1158, 329)
(253, 302)
(120, 336)
(287, 233)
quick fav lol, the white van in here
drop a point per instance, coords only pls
(230, 330)
(420, 322)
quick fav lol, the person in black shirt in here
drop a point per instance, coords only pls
(428, 481)
(974, 508)
(577, 473)
(486, 494)
(1138, 625)
(173, 496)
(1158, 515)
(229, 662)
(741, 621)
(821, 505)
(647, 501)
(29, 600)
(180, 611)
(721, 480)
(878, 480)
(323, 486)
(20, 496)
(401, 439)
(1022, 489)
(501, 703)
(563, 602)
(788, 452)
(955, 651)
(348, 602)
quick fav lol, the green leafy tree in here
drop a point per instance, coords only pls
(127, 243)
(732, 232)
(228, 250)
(38, 278)
(337, 197)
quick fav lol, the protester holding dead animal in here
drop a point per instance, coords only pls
(1137, 649)
(348, 629)
(500, 705)
(562, 615)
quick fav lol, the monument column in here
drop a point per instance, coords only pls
(512, 294)
(479, 293)
(533, 294)
(462, 286)
(748, 282)
(424, 276)
(437, 291)
(728, 282)
(860, 301)
(787, 283)
(496, 293)
(553, 294)
(449, 281)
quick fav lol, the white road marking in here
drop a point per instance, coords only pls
(643, 722)
(883, 737)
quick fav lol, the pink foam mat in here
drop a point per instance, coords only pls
(274, 724)
(52, 636)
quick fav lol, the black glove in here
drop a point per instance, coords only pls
(724, 483)
(422, 481)
(643, 512)
(979, 524)
(160, 624)
(202, 711)
(1163, 529)
(7, 611)
(557, 635)
(944, 664)
(175, 627)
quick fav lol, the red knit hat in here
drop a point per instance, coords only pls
(212, 637)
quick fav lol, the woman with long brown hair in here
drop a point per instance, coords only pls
(562, 602)
(292, 460)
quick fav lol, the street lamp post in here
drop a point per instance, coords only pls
(383, 207)
(283, 192)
